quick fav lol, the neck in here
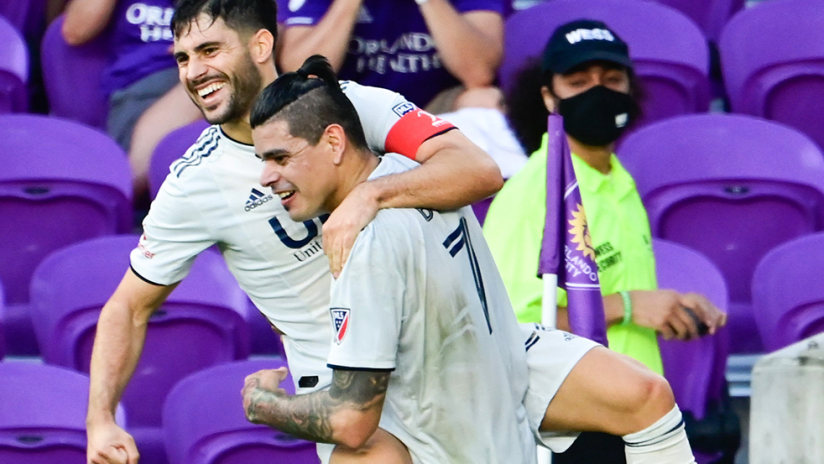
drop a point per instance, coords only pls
(360, 165)
(597, 157)
(241, 129)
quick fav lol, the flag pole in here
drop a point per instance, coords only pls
(550, 259)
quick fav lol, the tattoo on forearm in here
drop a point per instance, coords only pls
(309, 416)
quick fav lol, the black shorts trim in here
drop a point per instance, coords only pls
(145, 279)
(362, 369)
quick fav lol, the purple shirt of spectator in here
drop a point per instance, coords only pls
(141, 42)
(390, 45)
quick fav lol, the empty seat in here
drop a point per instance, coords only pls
(14, 70)
(695, 369)
(43, 414)
(27, 16)
(204, 423)
(73, 75)
(710, 15)
(61, 183)
(204, 322)
(670, 53)
(2, 318)
(788, 295)
(772, 56)
(731, 187)
(172, 147)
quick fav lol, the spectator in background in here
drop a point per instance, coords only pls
(146, 99)
(418, 48)
(587, 76)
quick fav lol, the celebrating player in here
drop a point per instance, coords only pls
(224, 52)
(426, 345)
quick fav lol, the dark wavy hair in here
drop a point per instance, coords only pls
(525, 105)
(246, 16)
(309, 99)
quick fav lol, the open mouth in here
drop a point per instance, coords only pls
(286, 195)
(210, 89)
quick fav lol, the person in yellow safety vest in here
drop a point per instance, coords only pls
(587, 76)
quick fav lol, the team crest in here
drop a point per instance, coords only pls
(340, 322)
(580, 232)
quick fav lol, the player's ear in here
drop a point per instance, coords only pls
(336, 138)
(261, 46)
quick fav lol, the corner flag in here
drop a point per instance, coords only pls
(566, 250)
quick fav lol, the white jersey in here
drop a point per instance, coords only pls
(420, 295)
(213, 196)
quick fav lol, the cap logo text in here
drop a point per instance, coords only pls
(589, 34)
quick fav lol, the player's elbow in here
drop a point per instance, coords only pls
(489, 177)
(353, 428)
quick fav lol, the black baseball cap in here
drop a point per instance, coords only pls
(580, 41)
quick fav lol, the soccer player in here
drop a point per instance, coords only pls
(224, 51)
(426, 345)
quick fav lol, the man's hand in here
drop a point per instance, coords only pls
(265, 381)
(675, 315)
(342, 227)
(110, 444)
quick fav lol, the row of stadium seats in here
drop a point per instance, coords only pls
(43, 409)
(183, 398)
(206, 321)
(732, 187)
(771, 56)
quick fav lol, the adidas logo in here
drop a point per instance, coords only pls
(256, 199)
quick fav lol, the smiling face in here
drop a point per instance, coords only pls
(302, 175)
(217, 70)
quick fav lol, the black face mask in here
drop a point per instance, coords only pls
(598, 116)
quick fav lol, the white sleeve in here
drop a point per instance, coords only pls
(173, 236)
(367, 304)
(391, 123)
(378, 109)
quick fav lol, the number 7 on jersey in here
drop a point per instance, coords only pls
(455, 242)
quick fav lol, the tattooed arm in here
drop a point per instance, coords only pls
(347, 413)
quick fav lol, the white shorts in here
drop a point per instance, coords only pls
(550, 356)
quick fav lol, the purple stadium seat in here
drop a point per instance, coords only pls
(481, 208)
(203, 421)
(694, 369)
(772, 56)
(2, 319)
(788, 295)
(172, 147)
(43, 414)
(731, 187)
(61, 183)
(14, 70)
(201, 324)
(27, 16)
(670, 53)
(710, 15)
(72, 77)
